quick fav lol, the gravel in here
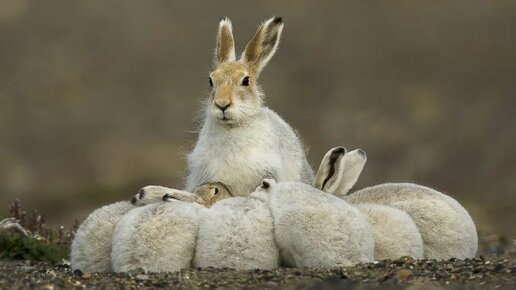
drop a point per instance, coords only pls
(398, 274)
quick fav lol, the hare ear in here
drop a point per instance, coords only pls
(354, 162)
(264, 44)
(225, 48)
(328, 176)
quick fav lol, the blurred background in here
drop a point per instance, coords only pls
(99, 98)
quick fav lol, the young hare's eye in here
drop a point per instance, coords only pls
(245, 82)
(211, 82)
(216, 192)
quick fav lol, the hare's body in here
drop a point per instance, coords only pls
(395, 233)
(237, 233)
(445, 226)
(91, 246)
(315, 229)
(242, 141)
(158, 237)
(241, 157)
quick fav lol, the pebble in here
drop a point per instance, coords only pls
(404, 275)
(141, 277)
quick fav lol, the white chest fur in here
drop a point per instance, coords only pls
(239, 157)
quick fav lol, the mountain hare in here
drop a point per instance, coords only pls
(316, 229)
(241, 141)
(237, 233)
(158, 237)
(445, 226)
(91, 246)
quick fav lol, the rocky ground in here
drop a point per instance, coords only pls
(32, 257)
(398, 274)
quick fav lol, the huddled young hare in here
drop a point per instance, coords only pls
(395, 233)
(445, 226)
(92, 245)
(316, 229)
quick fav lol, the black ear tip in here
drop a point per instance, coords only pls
(339, 151)
(278, 20)
(223, 18)
(361, 152)
(265, 184)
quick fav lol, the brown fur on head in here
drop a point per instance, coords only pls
(209, 193)
(235, 94)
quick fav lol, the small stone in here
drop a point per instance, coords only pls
(404, 275)
(141, 277)
(270, 284)
(26, 268)
(86, 275)
(48, 287)
(459, 263)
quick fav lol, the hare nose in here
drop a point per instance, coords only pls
(222, 106)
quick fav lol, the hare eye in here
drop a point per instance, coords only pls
(216, 191)
(245, 82)
(211, 82)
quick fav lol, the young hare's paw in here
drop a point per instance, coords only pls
(150, 194)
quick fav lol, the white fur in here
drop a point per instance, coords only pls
(445, 226)
(241, 157)
(395, 233)
(237, 233)
(91, 246)
(159, 237)
(315, 229)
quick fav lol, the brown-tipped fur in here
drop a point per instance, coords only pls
(225, 48)
(263, 45)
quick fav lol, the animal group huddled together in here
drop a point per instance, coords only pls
(252, 201)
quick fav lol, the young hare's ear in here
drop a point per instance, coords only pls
(327, 177)
(354, 162)
(264, 44)
(225, 49)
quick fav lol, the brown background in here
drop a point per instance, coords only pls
(98, 98)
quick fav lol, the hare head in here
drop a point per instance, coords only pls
(235, 95)
(209, 193)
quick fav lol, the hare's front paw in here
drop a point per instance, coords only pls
(150, 194)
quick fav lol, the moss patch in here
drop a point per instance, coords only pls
(14, 246)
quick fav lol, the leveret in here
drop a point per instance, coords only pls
(315, 229)
(395, 232)
(92, 246)
(241, 141)
(446, 228)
